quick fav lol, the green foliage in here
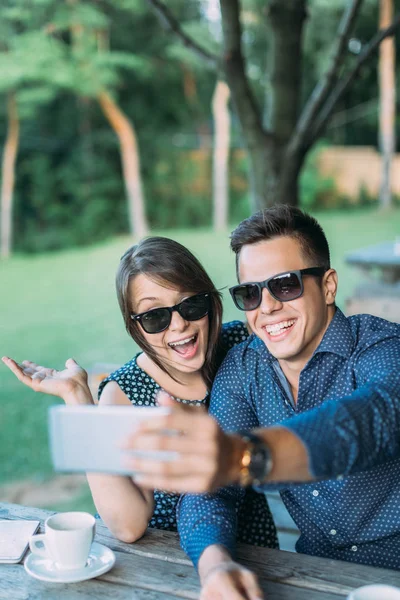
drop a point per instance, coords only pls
(58, 56)
(180, 191)
(316, 191)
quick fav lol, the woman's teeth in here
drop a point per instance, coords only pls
(182, 342)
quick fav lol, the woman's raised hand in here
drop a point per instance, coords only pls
(71, 384)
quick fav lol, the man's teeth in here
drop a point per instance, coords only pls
(182, 342)
(277, 327)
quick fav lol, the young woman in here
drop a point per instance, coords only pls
(173, 311)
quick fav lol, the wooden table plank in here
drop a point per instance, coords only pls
(16, 584)
(156, 563)
(312, 572)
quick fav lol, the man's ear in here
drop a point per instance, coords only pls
(330, 284)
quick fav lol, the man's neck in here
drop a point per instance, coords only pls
(293, 367)
(292, 373)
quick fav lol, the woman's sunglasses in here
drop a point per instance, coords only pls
(283, 287)
(158, 319)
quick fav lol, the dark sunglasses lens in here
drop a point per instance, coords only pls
(195, 308)
(247, 297)
(155, 320)
(285, 287)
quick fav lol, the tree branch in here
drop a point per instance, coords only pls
(344, 83)
(168, 21)
(233, 61)
(326, 83)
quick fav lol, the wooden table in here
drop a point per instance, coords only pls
(155, 568)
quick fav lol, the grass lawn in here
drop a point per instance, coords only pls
(63, 304)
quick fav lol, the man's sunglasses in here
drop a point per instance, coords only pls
(283, 287)
(158, 319)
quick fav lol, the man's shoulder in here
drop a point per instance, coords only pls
(246, 351)
(369, 330)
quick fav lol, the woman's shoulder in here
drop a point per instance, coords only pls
(233, 332)
(134, 382)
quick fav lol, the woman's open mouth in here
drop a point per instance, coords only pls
(186, 347)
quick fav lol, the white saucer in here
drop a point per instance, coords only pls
(101, 559)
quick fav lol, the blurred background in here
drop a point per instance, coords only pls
(128, 117)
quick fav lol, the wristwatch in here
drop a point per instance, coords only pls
(256, 460)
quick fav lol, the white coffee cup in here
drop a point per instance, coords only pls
(375, 592)
(67, 539)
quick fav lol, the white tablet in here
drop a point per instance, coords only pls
(87, 438)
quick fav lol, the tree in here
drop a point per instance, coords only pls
(222, 128)
(279, 136)
(193, 65)
(96, 65)
(39, 60)
(387, 143)
(8, 174)
(28, 81)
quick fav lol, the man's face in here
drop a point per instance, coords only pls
(290, 330)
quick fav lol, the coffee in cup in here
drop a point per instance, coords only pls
(67, 539)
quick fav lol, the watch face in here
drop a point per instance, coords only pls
(260, 464)
(256, 471)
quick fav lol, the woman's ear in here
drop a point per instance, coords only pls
(330, 284)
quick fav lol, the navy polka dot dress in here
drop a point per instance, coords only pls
(255, 523)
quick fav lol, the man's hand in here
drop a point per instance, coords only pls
(70, 384)
(231, 581)
(224, 579)
(206, 457)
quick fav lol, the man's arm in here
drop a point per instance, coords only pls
(209, 519)
(342, 436)
(359, 431)
(207, 523)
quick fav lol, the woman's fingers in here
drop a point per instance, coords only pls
(28, 372)
(23, 373)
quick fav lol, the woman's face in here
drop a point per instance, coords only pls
(183, 345)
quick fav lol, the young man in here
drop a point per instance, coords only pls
(315, 397)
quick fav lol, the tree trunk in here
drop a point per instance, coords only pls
(286, 21)
(222, 126)
(130, 163)
(267, 146)
(387, 103)
(8, 174)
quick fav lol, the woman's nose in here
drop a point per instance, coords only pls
(178, 323)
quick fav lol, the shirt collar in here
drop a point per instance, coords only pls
(338, 339)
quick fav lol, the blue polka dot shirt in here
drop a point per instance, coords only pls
(348, 417)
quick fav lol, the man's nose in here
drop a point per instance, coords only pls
(268, 303)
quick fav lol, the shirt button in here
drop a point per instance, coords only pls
(340, 477)
(315, 493)
(354, 548)
(333, 532)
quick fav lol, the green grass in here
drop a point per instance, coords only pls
(63, 304)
